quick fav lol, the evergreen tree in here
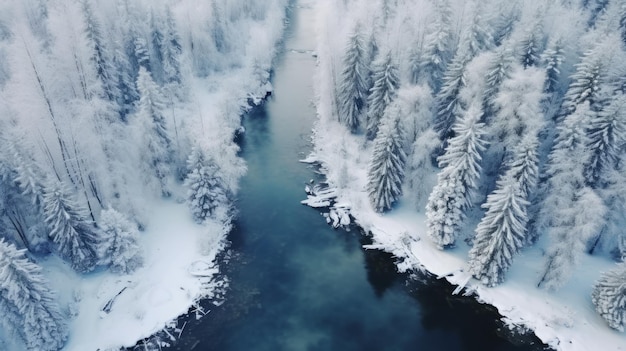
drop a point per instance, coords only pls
(171, 51)
(530, 46)
(571, 212)
(448, 99)
(71, 231)
(500, 65)
(502, 231)
(206, 188)
(586, 82)
(386, 171)
(437, 44)
(476, 38)
(26, 302)
(607, 136)
(151, 115)
(353, 85)
(118, 246)
(500, 234)
(505, 22)
(457, 180)
(609, 297)
(385, 84)
(552, 59)
(101, 56)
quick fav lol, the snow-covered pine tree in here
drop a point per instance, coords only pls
(118, 246)
(500, 64)
(609, 297)
(385, 84)
(571, 212)
(151, 116)
(519, 106)
(476, 36)
(607, 136)
(447, 99)
(437, 44)
(171, 50)
(552, 60)
(386, 170)
(457, 180)
(530, 45)
(502, 231)
(206, 189)
(585, 82)
(508, 14)
(101, 56)
(73, 234)
(26, 302)
(353, 83)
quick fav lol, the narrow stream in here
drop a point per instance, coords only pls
(297, 284)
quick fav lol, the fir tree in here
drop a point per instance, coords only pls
(385, 84)
(437, 44)
(586, 82)
(552, 59)
(118, 246)
(71, 231)
(27, 303)
(500, 234)
(457, 180)
(386, 171)
(609, 297)
(502, 231)
(571, 212)
(353, 85)
(500, 65)
(476, 37)
(607, 136)
(448, 102)
(171, 51)
(206, 188)
(530, 46)
(151, 115)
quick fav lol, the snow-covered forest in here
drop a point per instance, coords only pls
(103, 112)
(501, 122)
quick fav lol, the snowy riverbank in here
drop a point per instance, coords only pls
(565, 320)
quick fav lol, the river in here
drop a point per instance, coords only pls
(296, 283)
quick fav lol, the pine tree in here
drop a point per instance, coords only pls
(476, 37)
(609, 297)
(505, 22)
(502, 231)
(207, 190)
(101, 57)
(118, 246)
(552, 59)
(500, 66)
(457, 180)
(448, 102)
(500, 234)
(586, 82)
(71, 231)
(437, 44)
(353, 85)
(171, 51)
(385, 84)
(571, 212)
(151, 115)
(386, 170)
(27, 303)
(607, 137)
(530, 46)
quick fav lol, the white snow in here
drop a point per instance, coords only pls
(176, 273)
(565, 320)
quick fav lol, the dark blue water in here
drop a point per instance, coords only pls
(297, 284)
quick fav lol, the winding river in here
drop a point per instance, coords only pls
(296, 283)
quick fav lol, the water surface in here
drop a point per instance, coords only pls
(297, 284)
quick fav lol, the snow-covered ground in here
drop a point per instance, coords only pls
(115, 311)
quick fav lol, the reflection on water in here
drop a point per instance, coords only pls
(296, 283)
